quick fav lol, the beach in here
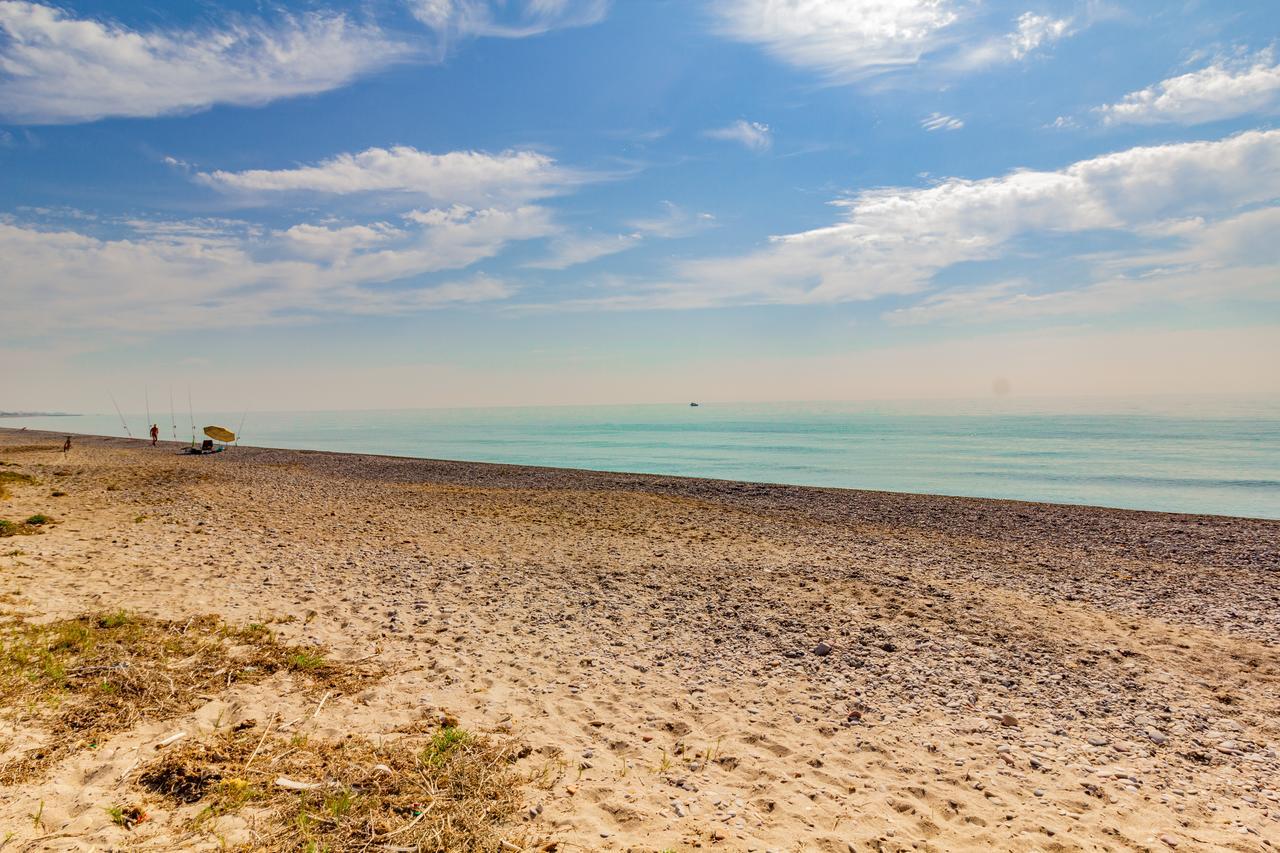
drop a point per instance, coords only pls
(682, 663)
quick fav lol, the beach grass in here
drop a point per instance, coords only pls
(9, 479)
(85, 679)
(443, 790)
(80, 681)
(17, 528)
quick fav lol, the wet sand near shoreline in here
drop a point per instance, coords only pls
(690, 663)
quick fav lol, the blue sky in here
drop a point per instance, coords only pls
(474, 202)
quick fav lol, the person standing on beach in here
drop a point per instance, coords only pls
(66, 446)
(155, 434)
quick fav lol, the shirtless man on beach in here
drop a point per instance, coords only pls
(155, 434)
(66, 446)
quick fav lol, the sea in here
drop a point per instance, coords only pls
(1206, 454)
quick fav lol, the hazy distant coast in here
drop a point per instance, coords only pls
(38, 415)
(1218, 455)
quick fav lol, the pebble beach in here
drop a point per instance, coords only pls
(689, 664)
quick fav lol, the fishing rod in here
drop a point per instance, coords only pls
(242, 417)
(193, 417)
(173, 418)
(123, 422)
(146, 396)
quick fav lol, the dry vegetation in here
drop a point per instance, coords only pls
(432, 787)
(9, 479)
(82, 680)
(31, 525)
(447, 790)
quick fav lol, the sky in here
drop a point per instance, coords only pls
(405, 203)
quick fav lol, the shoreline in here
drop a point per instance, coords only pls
(686, 662)
(655, 480)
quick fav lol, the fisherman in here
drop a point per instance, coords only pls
(66, 446)
(155, 434)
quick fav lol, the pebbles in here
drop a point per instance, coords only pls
(866, 659)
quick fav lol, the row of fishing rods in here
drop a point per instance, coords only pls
(173, 417)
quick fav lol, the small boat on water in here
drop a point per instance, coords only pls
(693, 405)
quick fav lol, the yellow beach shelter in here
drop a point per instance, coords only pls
(220, 433)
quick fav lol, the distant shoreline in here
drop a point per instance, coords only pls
(927, 508)
(39, 415)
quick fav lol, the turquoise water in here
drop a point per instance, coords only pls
(1204, 455)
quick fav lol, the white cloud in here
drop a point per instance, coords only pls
(1032, 33)
(463, 207)
(59, 69)
(938, 121)
(573, 250)
(750, 134)
(321, 242)
(1019, 300)
(455, 239)
(1236, 242)
(972, 303)
(1035, 31)
(893, 241)
(1220, 91)
(674, 222)
(466, 177)
(496, 18)
(475, 289)
(208, 274)
(843, 39)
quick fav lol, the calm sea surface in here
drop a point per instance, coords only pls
(1204, 455)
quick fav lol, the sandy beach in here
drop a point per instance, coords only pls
(682, 663)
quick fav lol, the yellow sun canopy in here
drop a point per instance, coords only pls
(219, 433)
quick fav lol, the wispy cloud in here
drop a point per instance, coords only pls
(847, 41)
(674, 221)
(465, 177)
(750, 134)
(516, 19)
(938, 121)
(893, 241)
(456, 209)
(1225, 89)
(1036, 31)
(59, 69)
(570, 250)
(843, 39)
(1032, 34)
(1228, 259)
(200, 275)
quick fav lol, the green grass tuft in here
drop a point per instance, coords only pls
(305, 661)
(443, 743)
(114, 620)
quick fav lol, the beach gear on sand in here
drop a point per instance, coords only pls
(219, 433)
(214, 432)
